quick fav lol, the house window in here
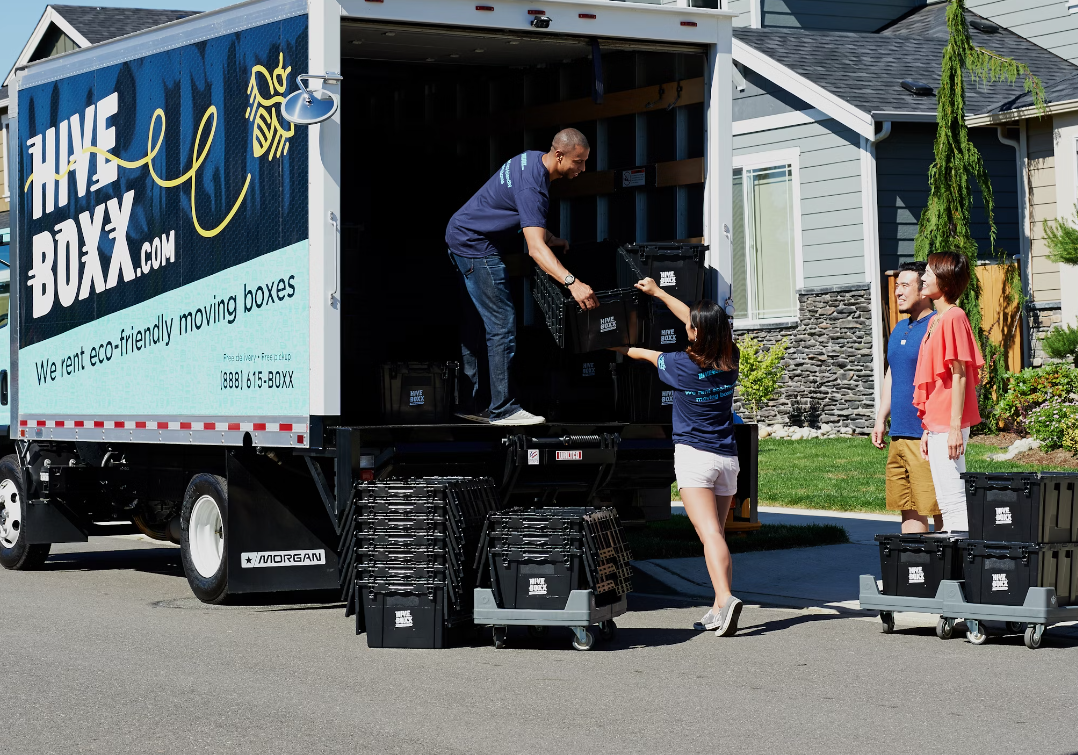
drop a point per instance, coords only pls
(766, 240)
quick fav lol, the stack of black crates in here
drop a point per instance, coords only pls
(536, 557)
(412, 556)
(1023, 532)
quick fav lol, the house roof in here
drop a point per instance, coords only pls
(102, 24)
(91, 25)
(865, 70)
(3, 94)
(5, 218)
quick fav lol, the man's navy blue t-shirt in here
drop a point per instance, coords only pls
(902, 350)
(703, 404)
(517, 196)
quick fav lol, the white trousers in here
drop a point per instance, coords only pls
(946, 478)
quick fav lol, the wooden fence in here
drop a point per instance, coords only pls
(1001, 316)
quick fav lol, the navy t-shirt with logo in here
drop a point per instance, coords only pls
(703, 403)
(517, 196)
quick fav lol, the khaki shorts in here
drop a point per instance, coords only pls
(909, 479)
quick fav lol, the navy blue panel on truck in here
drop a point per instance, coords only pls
(163, 260)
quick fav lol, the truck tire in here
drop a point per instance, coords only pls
(202, 537)
(15, 553)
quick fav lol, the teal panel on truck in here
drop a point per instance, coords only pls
(163, 255)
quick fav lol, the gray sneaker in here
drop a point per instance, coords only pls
(520, 418)
(728, 617)
(709, 622)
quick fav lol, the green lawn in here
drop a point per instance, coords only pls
(844, 474)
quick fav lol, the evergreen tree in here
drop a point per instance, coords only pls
(945, 222)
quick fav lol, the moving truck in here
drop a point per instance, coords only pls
(204, 295)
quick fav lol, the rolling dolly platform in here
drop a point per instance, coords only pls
(580, 612)
(1039, 611)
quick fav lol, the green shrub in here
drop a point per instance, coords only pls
(1062, 343)
(1051, 423)
(1070, 438)
(759, 372)
(1030, 389)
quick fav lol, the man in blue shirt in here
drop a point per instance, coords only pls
(515, 199)
(909, 476)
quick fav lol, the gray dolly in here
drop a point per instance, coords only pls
(580, 612)
(1039, 611)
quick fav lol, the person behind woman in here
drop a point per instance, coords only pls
(945, 385)
(705, 454)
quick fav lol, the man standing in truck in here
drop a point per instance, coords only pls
(515, 199)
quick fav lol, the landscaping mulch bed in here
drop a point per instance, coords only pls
(1058, 459)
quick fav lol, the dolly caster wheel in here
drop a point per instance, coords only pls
(607, 630)
(582, 639)
(1033, 636)
(1016, 627)
(538, 632)
(975, 632)
(945, 628)
(888, 619)
(499, 637)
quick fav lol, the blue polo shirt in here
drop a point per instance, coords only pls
(902, 350)
(517, 196)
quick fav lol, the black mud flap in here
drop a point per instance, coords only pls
(48, 522)
(281, 540)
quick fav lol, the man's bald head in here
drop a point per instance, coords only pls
(568, 154)
(568, 139)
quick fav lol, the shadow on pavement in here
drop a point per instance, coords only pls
(777, 625)
(164, 561)
(560, 638)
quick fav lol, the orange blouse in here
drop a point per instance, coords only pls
(950, 338)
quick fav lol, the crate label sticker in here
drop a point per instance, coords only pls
(416, 397)
(402, 620)
(917, 575)
(631, 178)
(537, 586)
(569, 455)
(667, 278)
(1003, 515)
(999, 582)
(533, 456)
(269, 559)
(668, 398)
(588, 369)
(668, 336)
(608, 323)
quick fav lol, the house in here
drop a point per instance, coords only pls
(831, 157)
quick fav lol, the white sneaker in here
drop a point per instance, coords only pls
(520, 418)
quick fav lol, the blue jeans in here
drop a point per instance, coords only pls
(488, 332)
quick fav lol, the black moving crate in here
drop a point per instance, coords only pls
(1002, 573)
(581, 387)
(913, 565)
(411, 548)
(1022, 507)
(615, 322)
(641, 396)
(418, 392)
(537, 557)
(677, 267)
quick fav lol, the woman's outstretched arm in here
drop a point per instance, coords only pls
(678, 307)
(644, 355)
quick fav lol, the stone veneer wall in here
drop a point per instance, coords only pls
(1043, 316)
(829, 358)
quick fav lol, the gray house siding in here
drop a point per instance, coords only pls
(902, 163)
(835, 15)
(762, 98)
(832, 228)
(1044, 22)
(743, 10)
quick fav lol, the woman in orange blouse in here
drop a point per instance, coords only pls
(945, 385)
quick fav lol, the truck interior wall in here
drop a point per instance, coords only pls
(422, 136)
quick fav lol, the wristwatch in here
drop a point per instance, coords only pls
(570, 279)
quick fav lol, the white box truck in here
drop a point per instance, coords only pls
(207, 300)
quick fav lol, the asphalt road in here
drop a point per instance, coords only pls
(105, 651)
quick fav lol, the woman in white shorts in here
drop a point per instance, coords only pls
(705, 454)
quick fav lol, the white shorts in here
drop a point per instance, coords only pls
(702, 469)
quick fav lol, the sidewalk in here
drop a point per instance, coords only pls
(823, 577)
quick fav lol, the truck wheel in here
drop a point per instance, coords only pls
(15, 553)
(202, 537)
